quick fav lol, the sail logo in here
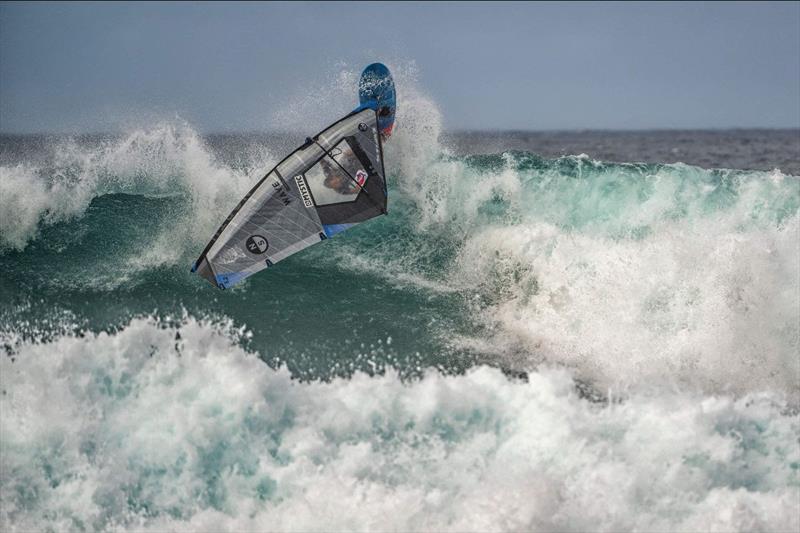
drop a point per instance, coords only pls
(303, 188)
(282, 194)
(361, 177)
(256, 244)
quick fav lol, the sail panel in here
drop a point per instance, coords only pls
(333, 181)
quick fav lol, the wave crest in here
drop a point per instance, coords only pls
(163, 160)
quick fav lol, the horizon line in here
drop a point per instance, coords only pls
(446, 131)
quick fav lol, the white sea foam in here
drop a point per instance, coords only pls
(156, 428)
(699, 304)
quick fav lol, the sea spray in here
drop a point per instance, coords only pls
(167, 159)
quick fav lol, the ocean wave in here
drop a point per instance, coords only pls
(173, 426)
(633, 275)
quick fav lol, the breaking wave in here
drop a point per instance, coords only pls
(175, 427)
(167, 159)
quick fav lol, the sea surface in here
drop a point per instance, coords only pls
(572, 331)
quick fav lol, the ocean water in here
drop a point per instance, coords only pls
(567, 331)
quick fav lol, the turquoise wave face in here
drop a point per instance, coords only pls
(522, 331)
(321, 313)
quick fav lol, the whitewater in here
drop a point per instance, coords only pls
(526, 342)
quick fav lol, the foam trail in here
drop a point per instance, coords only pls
(163, 428)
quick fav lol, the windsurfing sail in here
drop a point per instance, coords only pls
(332, 182)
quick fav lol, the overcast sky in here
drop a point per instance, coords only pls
(538, 66)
